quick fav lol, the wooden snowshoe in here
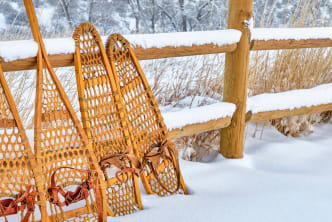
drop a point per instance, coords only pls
(104, 122)
(69, 166)
(155, 150)
(19, 173)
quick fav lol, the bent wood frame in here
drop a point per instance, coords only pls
(50, 97)
(137, 95)
(13, 176)
(113, 115)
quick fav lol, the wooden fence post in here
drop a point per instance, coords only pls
(236, 79)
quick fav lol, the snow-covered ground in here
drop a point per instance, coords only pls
(279, 179)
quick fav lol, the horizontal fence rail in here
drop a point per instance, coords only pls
(289, 44)
(284, 39)
(66, 60)
(285, 104)
(275, 114)
(196, 128)
(289, 40)
(186, 122)
(224, 122)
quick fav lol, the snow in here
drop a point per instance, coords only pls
(279, 179)
(291, 33)
(13, 50)
(219, 38)
(250, 24)
(59, 46)
(261, 103)
(14, 5)
(45, 15)
(291, 99)
(187, 116)
(3, 24)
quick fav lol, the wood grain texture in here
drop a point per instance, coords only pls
(287, 112)
(289, 44)
(236, 79)
(200, 127)
(59, 60)
(65, 60)
(167, 52)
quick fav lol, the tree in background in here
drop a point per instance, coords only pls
(60, 17)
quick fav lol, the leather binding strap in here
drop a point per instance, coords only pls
(120, 160)
(81, 192)
(11, 206)
(153, 160)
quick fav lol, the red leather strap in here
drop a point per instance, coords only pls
(120, 161)
(11, 206)
(81, 192)
(30, 205)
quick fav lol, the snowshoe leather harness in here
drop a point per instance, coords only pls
(120, 160)
(152, 159)
(81, 192)
(11, 206)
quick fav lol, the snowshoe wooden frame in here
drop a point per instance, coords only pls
(103, 118)
(20, 173)
(152, 144)
(61, 144)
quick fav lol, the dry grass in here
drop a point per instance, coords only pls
(278, 71)
(22, 85)
(200, 78)
(283, 70)
(270, 72)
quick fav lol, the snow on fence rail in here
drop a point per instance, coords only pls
(20, 55)
(290, 38)
(266, 106)
(186, 122)
(290, 103)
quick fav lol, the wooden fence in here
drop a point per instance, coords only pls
(236, 77)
